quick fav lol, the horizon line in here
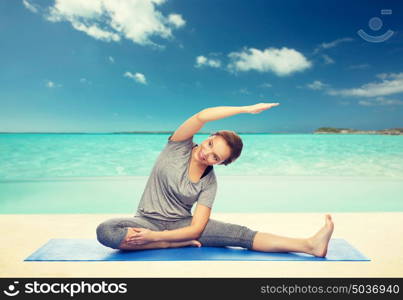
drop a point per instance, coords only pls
(172, 131)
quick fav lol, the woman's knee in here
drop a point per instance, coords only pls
(110, 234)
(218, 234)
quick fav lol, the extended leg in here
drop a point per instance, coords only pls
(315, 245)
(220, 234)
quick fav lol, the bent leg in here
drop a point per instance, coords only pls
(126, 244)
(116, 233)
(220, 234)
(112, 232)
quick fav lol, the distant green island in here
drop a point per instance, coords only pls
(392, 131)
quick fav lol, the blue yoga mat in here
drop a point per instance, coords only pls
(92, 250)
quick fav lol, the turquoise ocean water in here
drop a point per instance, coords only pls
(60, 173)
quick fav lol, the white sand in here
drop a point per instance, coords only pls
(376, 235)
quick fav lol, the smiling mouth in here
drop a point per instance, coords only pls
(201, 155)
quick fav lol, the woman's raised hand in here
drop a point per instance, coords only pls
(257, 108)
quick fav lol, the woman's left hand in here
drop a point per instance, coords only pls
(258, 108)
(142, 236)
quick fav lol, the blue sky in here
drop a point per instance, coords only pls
(105, 66)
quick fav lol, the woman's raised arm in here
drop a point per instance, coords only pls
(189, 128)
(192, 125)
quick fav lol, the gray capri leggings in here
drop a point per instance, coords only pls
(111, 232)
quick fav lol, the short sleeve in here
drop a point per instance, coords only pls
(180, 145)
(207, 195)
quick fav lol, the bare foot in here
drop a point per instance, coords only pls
(319, 242)
(194, 243)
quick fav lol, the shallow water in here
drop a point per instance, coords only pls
(243, 194)
(75, 155)
(106, 173)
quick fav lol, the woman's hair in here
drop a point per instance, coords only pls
(233, 141)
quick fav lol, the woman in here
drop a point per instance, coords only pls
(182, 175)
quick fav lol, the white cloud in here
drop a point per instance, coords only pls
(111, 59)
(382, 76)
(380, 101)
(316, 85)
(327, 59)
(359, 67)
(266, 85)
(332, 44)
(204, 61)
(135, 20)
(244, 91)
(335, 43)
(31, 7)
(201, 60)
(85, 81)
(390, 84)
(51, 84)
(96, 32)
(73, 9)
(282, 61)
(176, 20)
(138, 77)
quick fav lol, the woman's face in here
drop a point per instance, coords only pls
(212, 151)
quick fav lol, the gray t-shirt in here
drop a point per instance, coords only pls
(169, 194)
